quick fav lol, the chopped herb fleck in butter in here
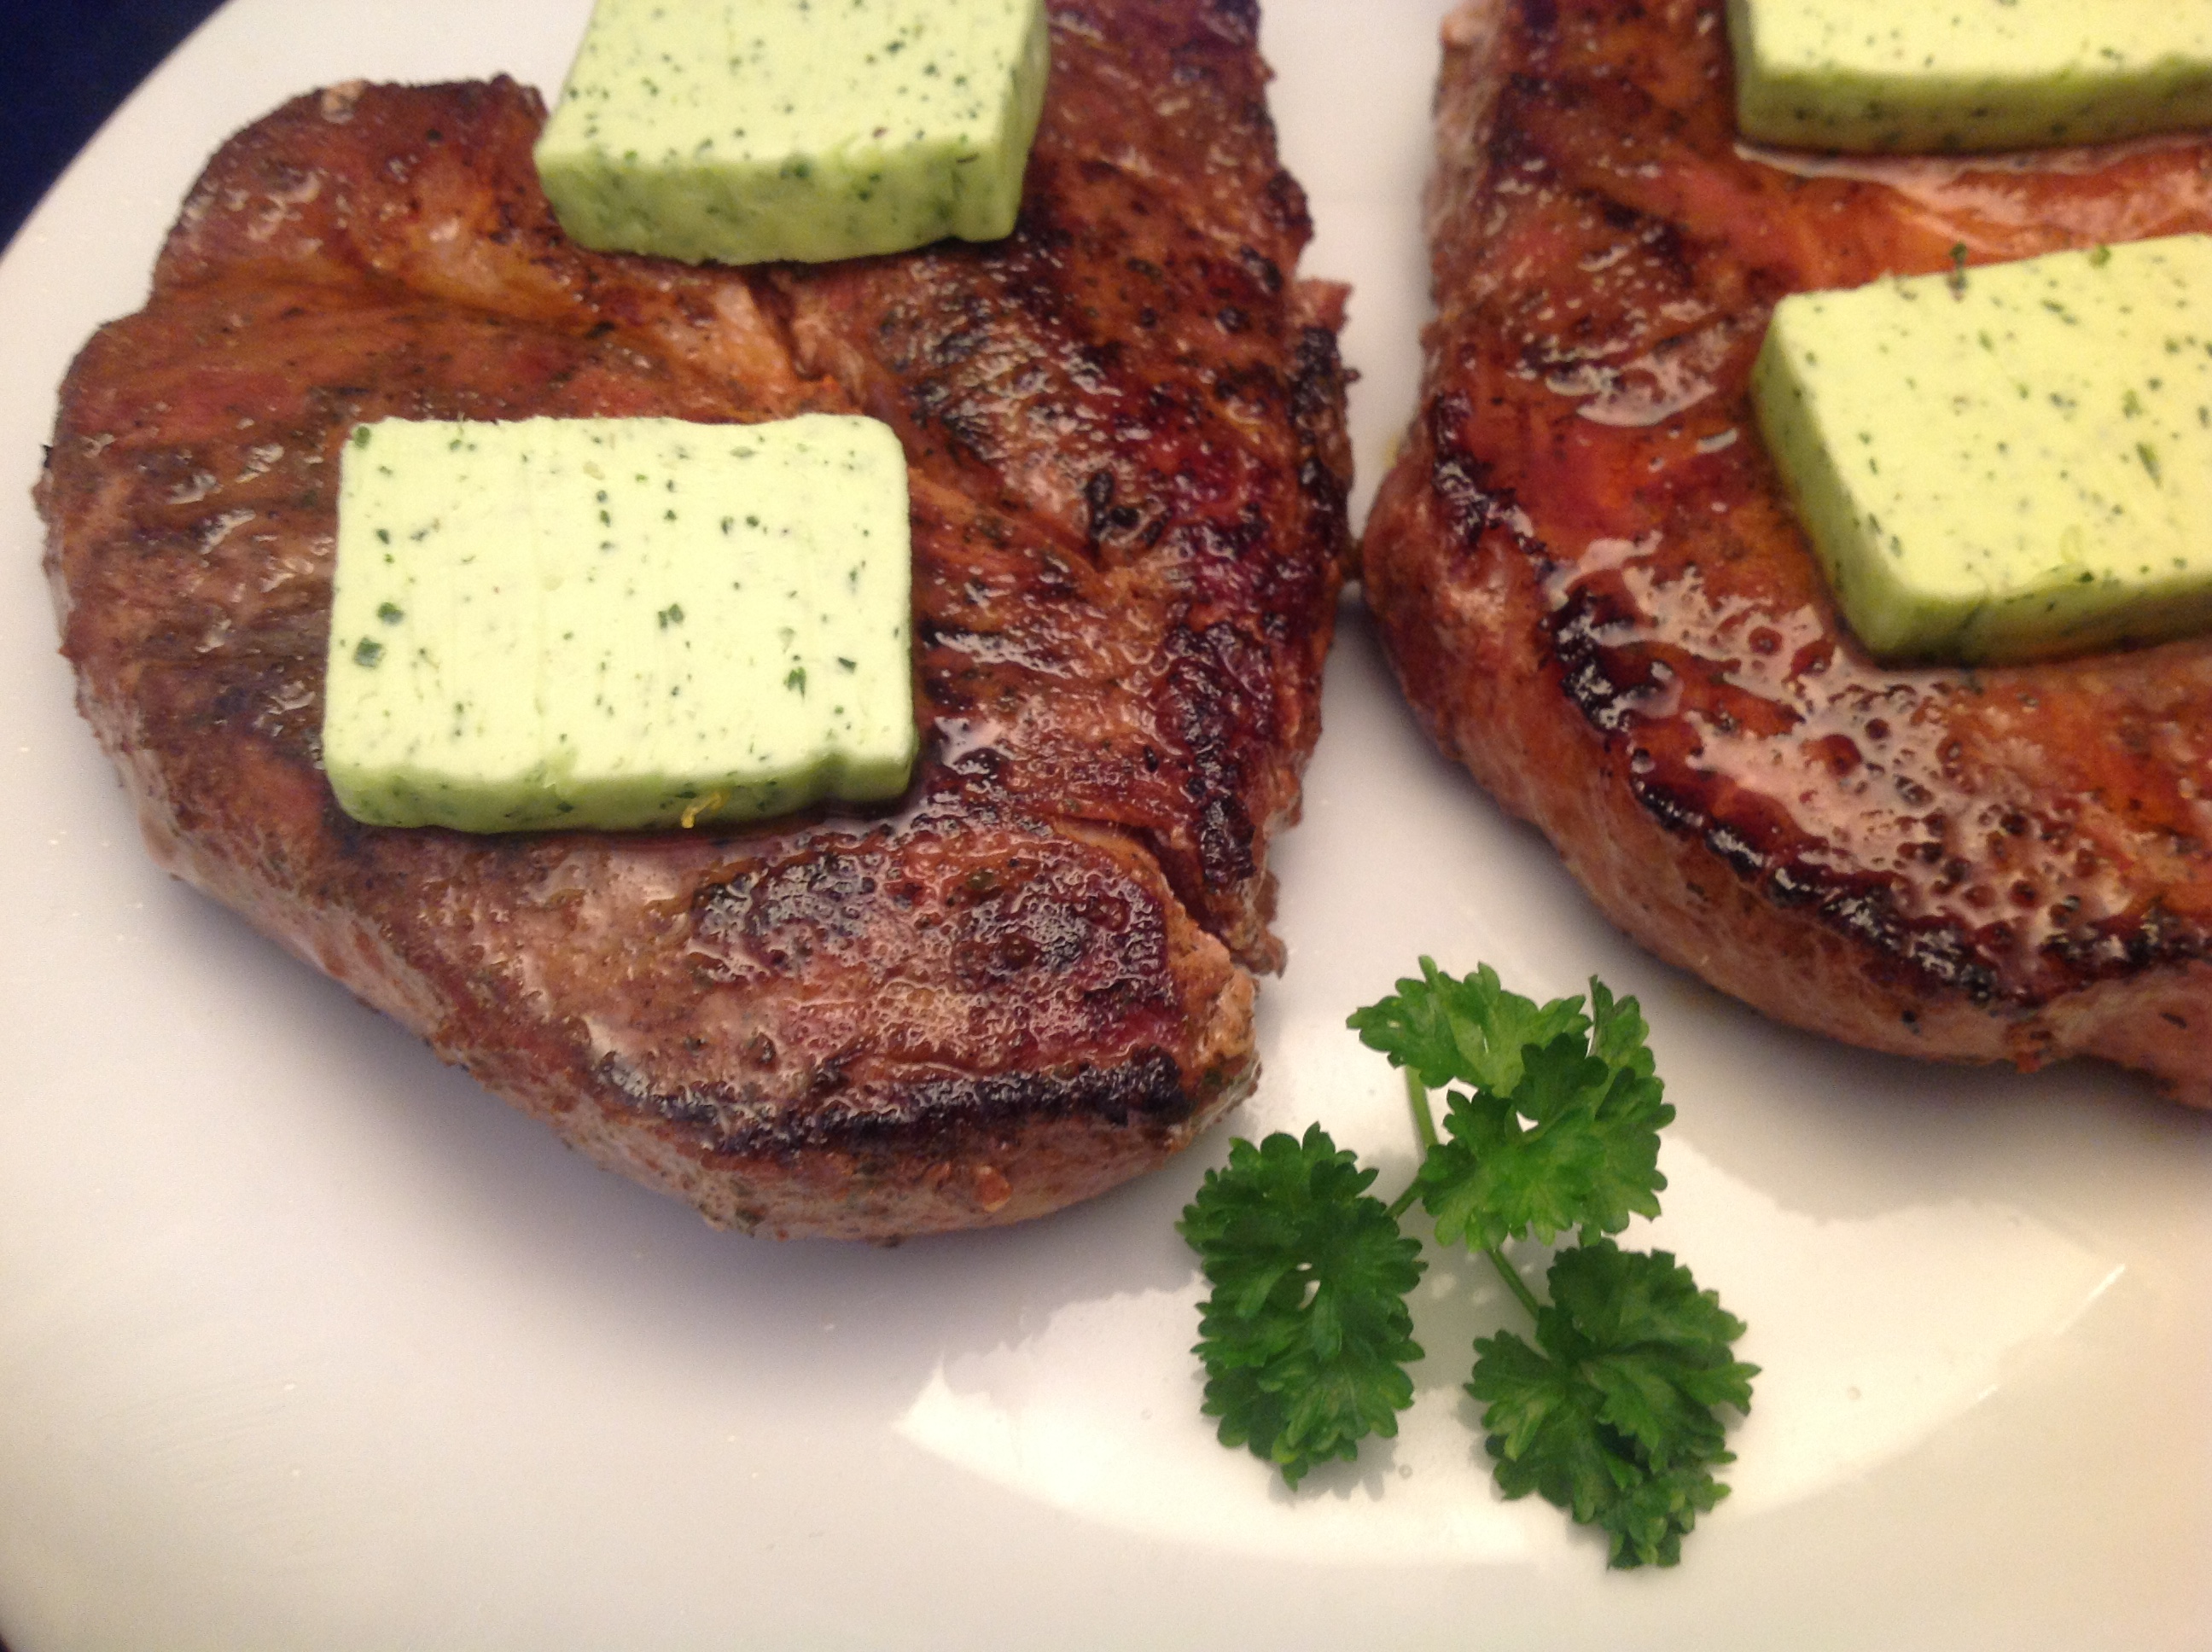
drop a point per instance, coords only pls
(1960, 75)
(2024, 472)
(743, 130)
(546, 648)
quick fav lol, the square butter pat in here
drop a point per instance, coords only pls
(618, 623)
(1921, 76)
(743, 130)
(2009, 463)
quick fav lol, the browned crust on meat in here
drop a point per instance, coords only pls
(1595, 597)
(1026, 982)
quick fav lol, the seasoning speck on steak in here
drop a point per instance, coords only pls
(1596, 595)
(1030, 980)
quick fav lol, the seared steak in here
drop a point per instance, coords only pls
(1596, 597)
(1028, 982)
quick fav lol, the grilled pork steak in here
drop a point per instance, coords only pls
(1596, 597)
(1029, 980)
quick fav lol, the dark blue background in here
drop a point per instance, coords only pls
(68, 65)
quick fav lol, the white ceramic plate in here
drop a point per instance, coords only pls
(307, 1342)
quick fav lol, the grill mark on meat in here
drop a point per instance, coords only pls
(957, 1115)
(1469, 487)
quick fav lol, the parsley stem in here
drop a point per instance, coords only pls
(1417, 1096)
(1424, 1127)
(1519, 1285)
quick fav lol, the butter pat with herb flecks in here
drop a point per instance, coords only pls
(2010, 462)
(618, 623)
(1906, 76)
(739, 131)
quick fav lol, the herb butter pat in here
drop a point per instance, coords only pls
(617, 623)
(1905, 77)
(743, 130)
(2009, 462)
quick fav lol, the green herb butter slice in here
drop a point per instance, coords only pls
(1906, 76)
(743, 130)
(617, 623)
(2010, 463)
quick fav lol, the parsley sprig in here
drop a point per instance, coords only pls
(1551, 1121)
(1307, 1335)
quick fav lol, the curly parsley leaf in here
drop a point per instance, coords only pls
(1471, 1031)
(1614, 1420)
(1561, 1129)
(1306, 1335)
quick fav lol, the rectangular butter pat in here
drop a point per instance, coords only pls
(743, 131)
(1936, 77)
(2011, 463)
(618, 623)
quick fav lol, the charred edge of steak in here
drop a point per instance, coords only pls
(1932, 955)
(941, 1114)
(1318, 382)
(1210, 715)
(1474, 504)
(1605, 684)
